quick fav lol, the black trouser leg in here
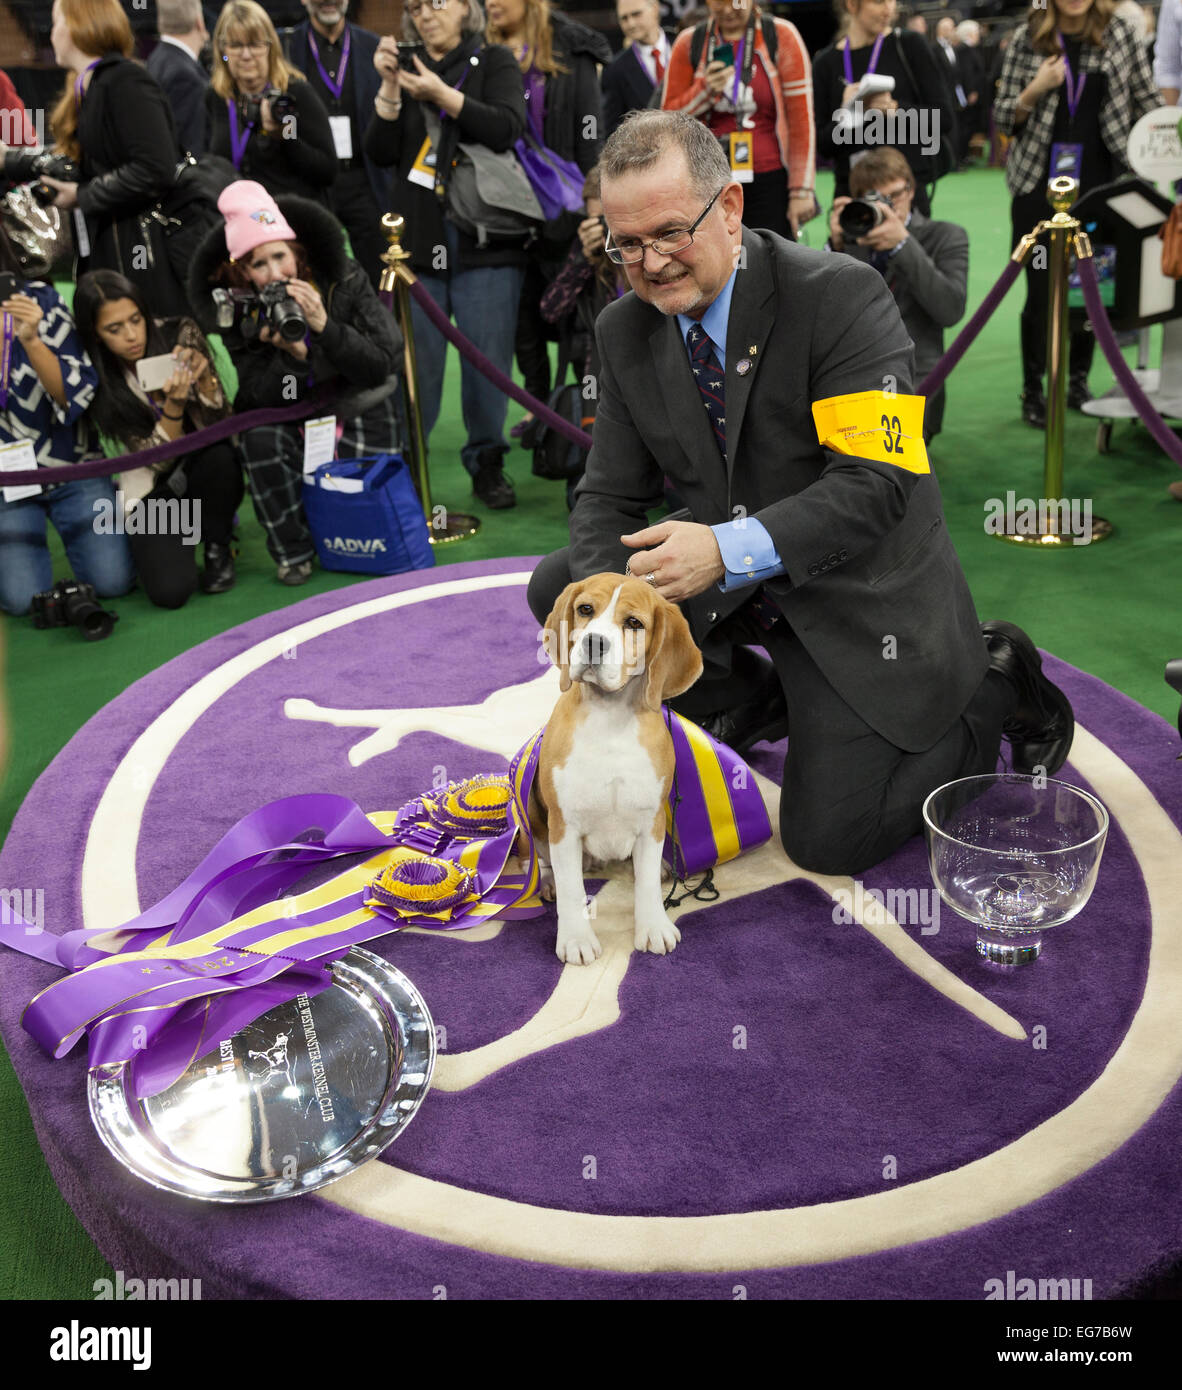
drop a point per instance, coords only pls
(353, 203)
(215, 479)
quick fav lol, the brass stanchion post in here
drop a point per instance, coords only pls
(397, 278)
(1065, 230)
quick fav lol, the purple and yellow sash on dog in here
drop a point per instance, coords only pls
(227, 944)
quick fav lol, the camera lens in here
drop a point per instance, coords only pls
(859, 216)
(92, 621)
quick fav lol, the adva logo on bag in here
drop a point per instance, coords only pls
(350, 545)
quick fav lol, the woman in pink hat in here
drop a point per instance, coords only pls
(348, 338)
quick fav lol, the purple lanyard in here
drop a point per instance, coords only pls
(443, 115)
(337, 87)
(738, 70)
(79, 85)
(870, 67)
(238, 141)
(1074, 90)
(5, 361)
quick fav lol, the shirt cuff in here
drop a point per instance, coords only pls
(748, 553)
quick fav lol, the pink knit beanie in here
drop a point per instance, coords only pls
(251, 218)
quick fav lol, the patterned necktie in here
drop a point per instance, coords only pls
(710, 381)
(658, 65)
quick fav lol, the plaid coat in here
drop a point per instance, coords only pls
(1129, 94)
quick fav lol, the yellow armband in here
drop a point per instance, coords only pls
(874, 425)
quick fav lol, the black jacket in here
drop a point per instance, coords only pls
(366, 83)
(360, 347)
(184, 82)
(129, 160)
(304, 165)
(573, 124)
(626, 87)
(493, 114)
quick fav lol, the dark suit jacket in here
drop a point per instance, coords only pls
(626, 87)
(929, 279)
(867, 552)
(184, 81)
(366, 83)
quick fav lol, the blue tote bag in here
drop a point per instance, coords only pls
(366, 518)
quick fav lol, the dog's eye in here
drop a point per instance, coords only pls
(634, 623)
(585, 610)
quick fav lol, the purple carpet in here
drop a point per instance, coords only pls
(776, 1061)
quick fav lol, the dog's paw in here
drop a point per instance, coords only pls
(659, 936)
(546, 883)
(578, 948)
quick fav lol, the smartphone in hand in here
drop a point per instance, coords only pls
(725, 54)
(153, 372)
(9, 285)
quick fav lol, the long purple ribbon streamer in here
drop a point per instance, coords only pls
(494, 373)
(1157, 427)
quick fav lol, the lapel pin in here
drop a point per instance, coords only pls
(753, 349)
(743, 366)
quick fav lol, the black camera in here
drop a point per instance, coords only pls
(250, 310)
(862, 215)
(71, 604)
(407, 52)
(25, 166)
(283, 104)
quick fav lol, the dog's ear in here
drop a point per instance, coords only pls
(672, 659)
(556, 634)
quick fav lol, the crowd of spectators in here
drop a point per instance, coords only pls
(239, 159)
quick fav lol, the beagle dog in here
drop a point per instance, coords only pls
(606, 761)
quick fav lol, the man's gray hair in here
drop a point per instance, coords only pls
(474, 22)
(644, 137)
(177, 16)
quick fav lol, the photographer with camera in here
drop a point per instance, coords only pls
(446, 67)
(115, 150)
(46, 384)
(118, 331)
(925, 263)
(295, 312)
(264, 116)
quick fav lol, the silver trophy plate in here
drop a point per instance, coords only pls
(293, 1101)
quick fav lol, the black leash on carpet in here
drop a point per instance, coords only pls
(705, 890)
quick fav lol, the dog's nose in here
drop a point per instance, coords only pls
(595, 648)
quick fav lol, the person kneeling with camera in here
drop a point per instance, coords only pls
(925, 263)
(296, 313)
(46, 384)
(157, 382)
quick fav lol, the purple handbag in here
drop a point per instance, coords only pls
(557, 182)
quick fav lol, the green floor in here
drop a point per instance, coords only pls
(1112, 609)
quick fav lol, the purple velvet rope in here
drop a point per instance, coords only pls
(483, 365)
(184, 444)
(1157, 427)
(964, 339)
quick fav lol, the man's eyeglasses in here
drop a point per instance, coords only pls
(630, 251)
(239, 48)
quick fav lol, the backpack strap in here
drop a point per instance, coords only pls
(698, 41)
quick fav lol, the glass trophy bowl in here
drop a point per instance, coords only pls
(1014, 854)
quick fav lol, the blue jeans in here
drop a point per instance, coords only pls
(483, 303)
(99, 559)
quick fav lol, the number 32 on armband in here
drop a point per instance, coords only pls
(893, 428)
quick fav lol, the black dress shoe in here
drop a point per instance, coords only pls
(218, 574)
(1034, 409)
(1042, 725)
(1077, 390)
(763, 718)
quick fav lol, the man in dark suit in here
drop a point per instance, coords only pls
(630, 79)
(834, 558)
(925, 264)
(337, 59)
(175, 64)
